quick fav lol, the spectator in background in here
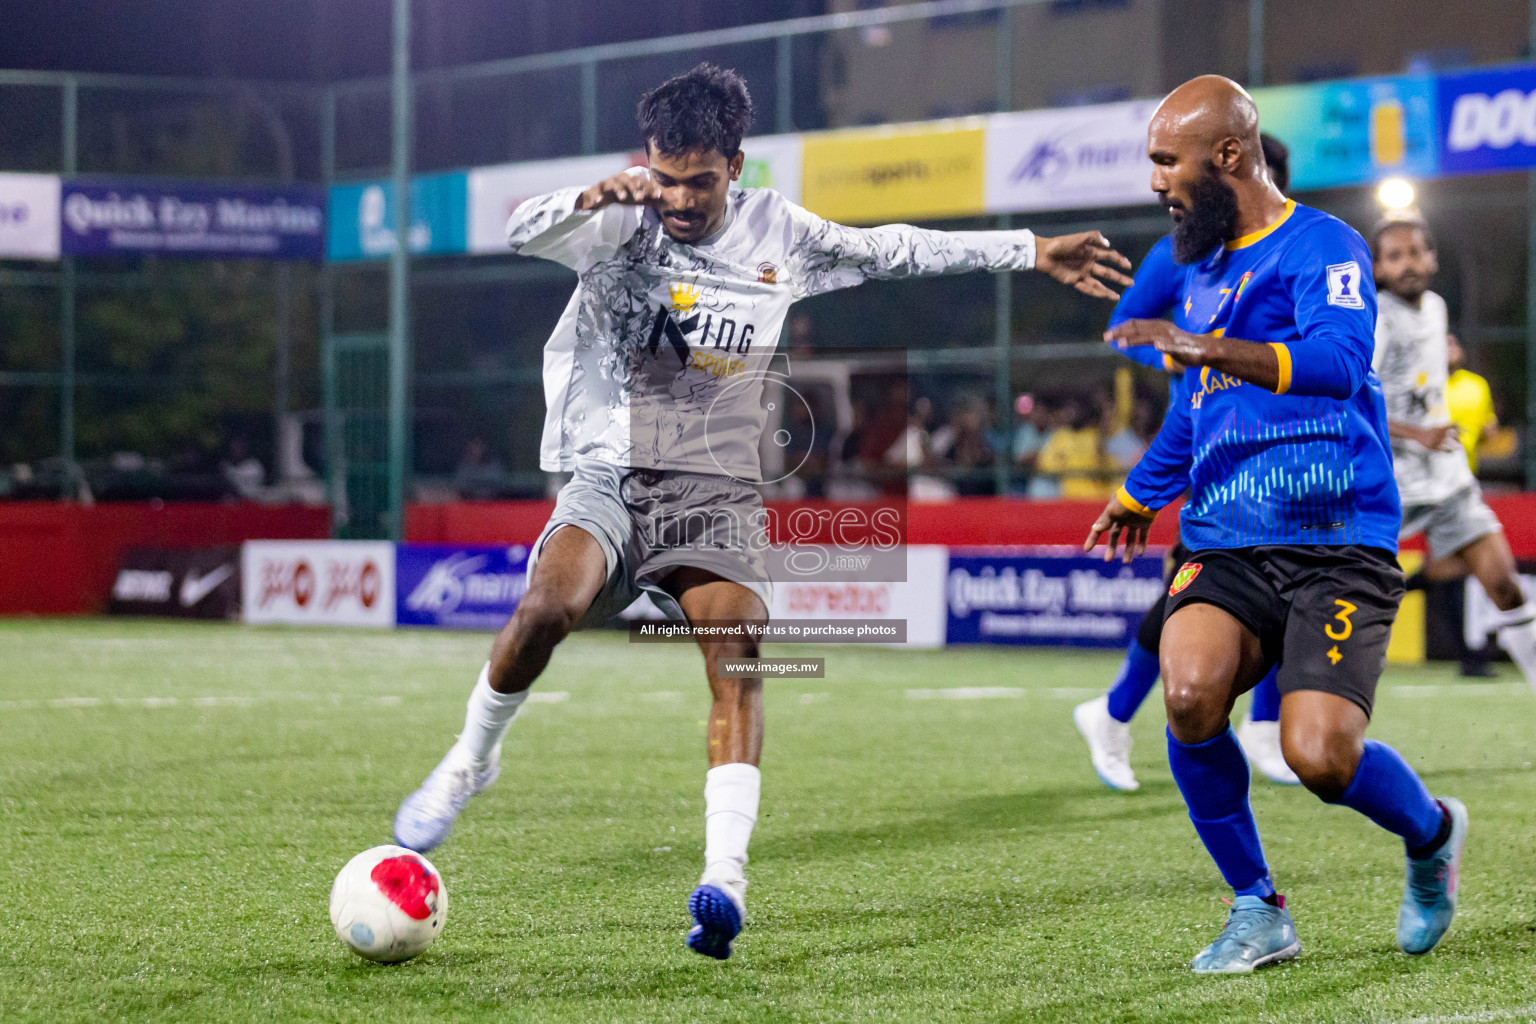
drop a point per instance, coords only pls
(1469, 400)
(1035, 423)
(807, 435)
(885, 426)
(802, 337)
(961, 447)
(243, 471)
(1071, 452)
(479, 476)
(1124, 447)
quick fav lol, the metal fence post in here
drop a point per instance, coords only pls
(1002, 330)
(589, 106)
(70, 116)
(399, 274)
(1255, 43)
(784, 97)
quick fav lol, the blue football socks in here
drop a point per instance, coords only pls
(1213, 777)
(1392, 795)
(1266, 699)
(1138, 674)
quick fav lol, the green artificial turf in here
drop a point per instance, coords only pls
(175, 800)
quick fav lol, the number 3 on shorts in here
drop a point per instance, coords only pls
(1345, 611)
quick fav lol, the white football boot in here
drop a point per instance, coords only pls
(1109, 744)
(426, 816)
(1261, 742)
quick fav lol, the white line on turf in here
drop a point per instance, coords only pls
(1476, 1016)
(385, 700)
(1457, 689)
(965, 693)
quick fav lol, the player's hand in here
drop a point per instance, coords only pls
(1185, 348)
(1441, 439)
(1084, 261)
(1115, 522)
(626, 188)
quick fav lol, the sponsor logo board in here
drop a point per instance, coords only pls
(1069, 158)
(1047, 596)
(103, 218)
(362, 224)
(29, 216)
(866, 175)
(1488, 120)
(917, 598)
(320, 582)
(459, 587)
(183, 583)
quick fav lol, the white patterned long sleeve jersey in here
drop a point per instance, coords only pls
(658, 361)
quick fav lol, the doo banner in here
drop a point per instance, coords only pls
(1353, 132)
(362, 223)
(1047, 597)
(29, 216)
(189, 584)
(1077, 157)
(318, 582)
(494, 192)
(1488, 120)
(903, 172)
(110, 218)
(453, 587)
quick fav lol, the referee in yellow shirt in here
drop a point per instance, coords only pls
(1469, 401)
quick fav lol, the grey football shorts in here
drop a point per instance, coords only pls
(650, 522)
(1452, 524)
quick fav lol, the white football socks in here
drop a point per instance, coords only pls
(731, 794)
(1519, 638)
(486, 720)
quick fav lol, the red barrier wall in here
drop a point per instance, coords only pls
(969, 521)
(60, 558)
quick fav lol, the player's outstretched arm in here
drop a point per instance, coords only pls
(1085, 261)
(832, 256)
(576, 226)
(1246, 360)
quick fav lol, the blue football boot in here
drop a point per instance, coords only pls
(718, 910)
(1429, 894)
(1256, 934)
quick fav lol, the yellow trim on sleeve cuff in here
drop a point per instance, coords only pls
(1283, 355)
(1169, 364)
(1124, 497)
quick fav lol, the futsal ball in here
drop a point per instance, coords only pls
(388, 904)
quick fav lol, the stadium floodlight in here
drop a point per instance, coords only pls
(1396, 193)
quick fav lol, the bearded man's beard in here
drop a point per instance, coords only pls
(1208, 220)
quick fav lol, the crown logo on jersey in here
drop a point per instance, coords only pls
(684, 297)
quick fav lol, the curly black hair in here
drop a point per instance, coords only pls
(707, 108)
(1278, 156)
(1392, 221)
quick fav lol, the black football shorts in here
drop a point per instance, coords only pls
(1324, 613)
(1150, 633)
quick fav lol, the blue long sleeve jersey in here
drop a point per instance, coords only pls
(1309, 463)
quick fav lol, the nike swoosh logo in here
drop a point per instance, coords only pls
(195, 588)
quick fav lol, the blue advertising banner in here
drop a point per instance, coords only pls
(1488, 120)
(453, 586)
(107, 218)
(363, 217)
(1353, 132)
(1047, 597)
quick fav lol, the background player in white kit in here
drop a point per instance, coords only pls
(1441, 498)
(653, 385)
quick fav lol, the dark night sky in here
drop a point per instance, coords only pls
(332, 39)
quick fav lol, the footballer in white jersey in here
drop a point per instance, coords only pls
(1441, 498)
(653, 380)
